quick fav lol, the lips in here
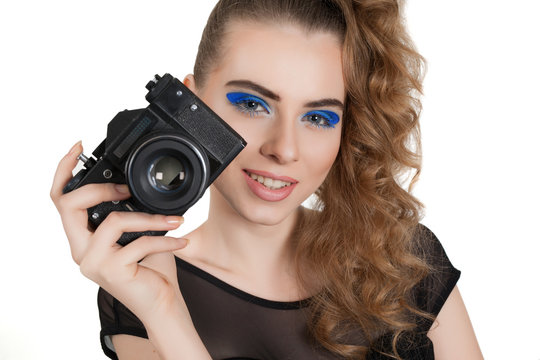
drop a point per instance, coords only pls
(272, 176)
(267, 186)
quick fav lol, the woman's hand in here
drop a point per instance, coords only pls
(147, 288)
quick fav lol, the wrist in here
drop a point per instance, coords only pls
(174, 336)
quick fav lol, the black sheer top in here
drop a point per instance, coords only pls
(236, 325)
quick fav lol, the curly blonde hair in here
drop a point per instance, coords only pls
(358, 250)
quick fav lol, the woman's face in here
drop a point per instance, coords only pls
(282, 90)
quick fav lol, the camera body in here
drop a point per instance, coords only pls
(167, 153)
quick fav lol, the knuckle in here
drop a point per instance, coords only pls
(76, 258)
(97, 271)
(156, 218)
(61, 203)
(87, 268)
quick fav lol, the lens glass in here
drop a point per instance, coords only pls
(166, 173)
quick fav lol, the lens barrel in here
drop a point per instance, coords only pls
(167, 173)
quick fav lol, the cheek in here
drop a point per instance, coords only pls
(255, 131)
(321, 151)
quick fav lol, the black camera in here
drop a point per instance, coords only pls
(167, 153)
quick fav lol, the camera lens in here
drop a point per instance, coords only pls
(166, 173)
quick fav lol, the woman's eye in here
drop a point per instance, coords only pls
(248, 103)
(322, 118)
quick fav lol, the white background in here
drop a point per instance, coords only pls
(68, 67)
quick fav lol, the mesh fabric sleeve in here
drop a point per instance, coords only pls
(116, 319)
(429, 295)
(434, 289)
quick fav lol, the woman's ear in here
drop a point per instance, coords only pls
(189, 81)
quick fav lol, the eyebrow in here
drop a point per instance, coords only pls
(269, 94)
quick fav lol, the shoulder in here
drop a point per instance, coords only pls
(428, 247)
(435, 288)
(451, 332)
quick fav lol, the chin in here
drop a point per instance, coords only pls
(264, 217)
(258, 213)
(261, 213)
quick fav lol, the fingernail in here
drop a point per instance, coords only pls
(182, 241)
(75, 148)
(121, 188)
(174, 220)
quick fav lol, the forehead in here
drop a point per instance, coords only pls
(283, 58)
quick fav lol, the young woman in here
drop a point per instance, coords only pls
(324, 92)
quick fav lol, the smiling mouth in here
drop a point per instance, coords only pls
(270, 183)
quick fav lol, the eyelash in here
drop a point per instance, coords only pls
(240, 100)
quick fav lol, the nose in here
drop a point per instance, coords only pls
(281, 143)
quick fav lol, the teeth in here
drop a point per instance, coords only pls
(269, 183)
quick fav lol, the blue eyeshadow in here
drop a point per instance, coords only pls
(240, 97)
(330, 116)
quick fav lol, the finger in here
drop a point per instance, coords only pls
(117, 223)
(148, 245)
(72, 207)
(76, 228)
(92, 194)
(64, 170)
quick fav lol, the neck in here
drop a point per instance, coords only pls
(242, 246)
